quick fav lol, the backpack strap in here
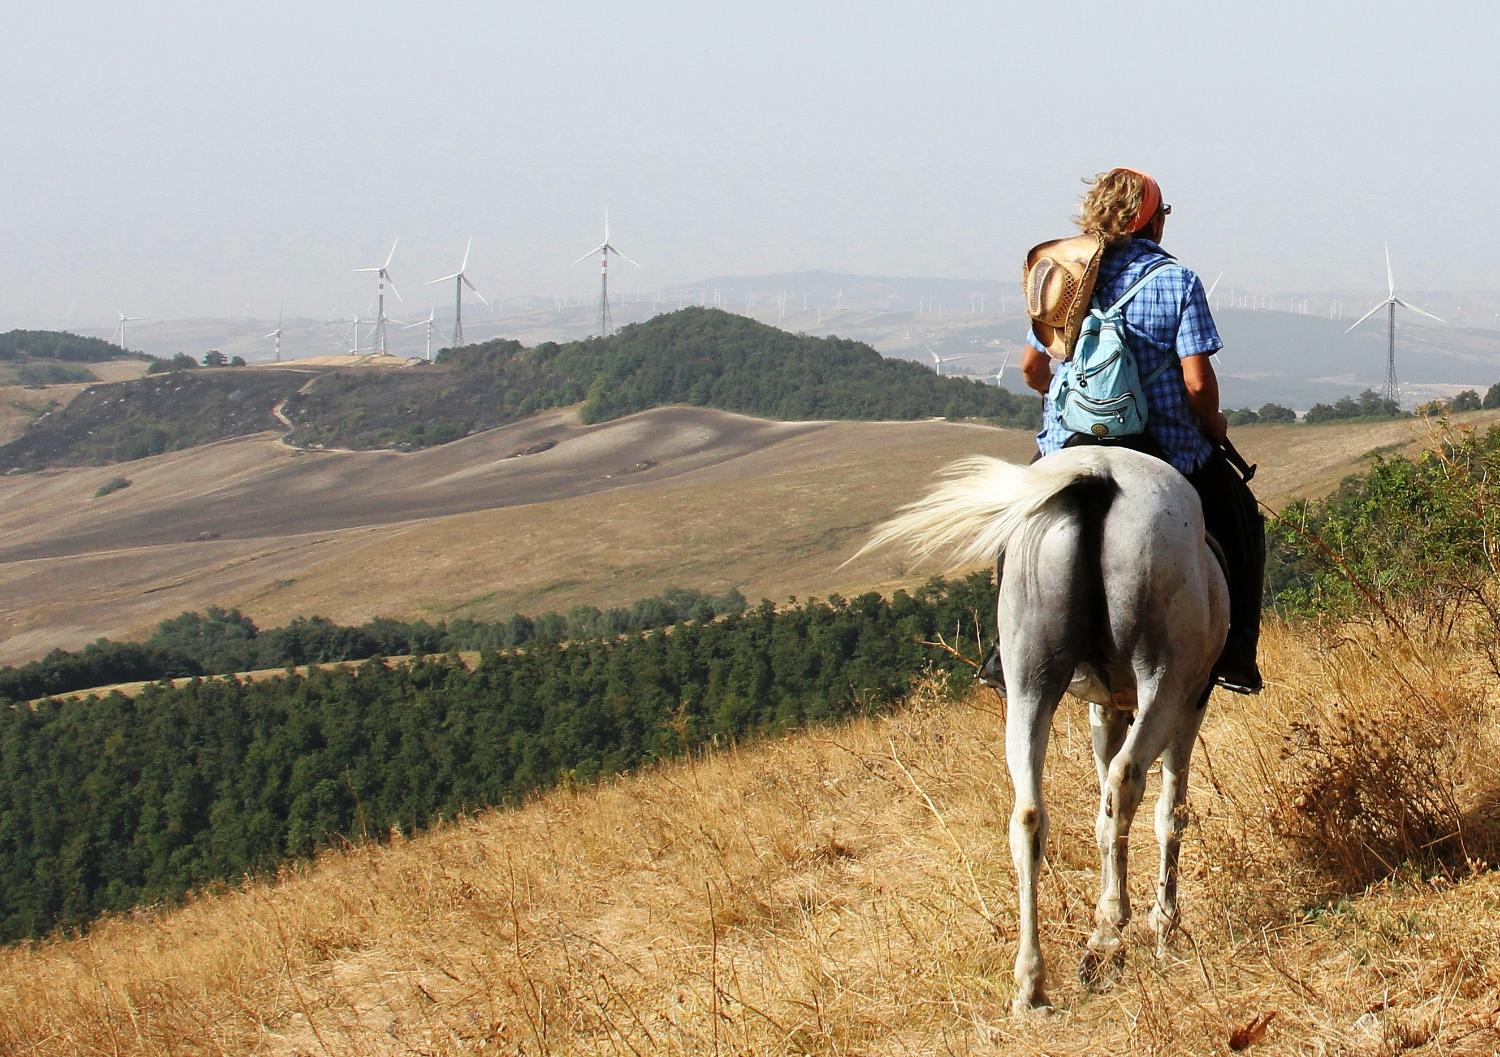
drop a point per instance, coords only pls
(1154, 375)
(1136, 286)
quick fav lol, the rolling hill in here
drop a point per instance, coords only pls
(699, 357)
(602, 515)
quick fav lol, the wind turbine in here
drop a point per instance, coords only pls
(432, 316)
(460, 280)
(277, 335)
(1392, 390)
(940, 360)
(604, 249)
(382, 271)
(1001, 372)
(354, 322)
(120, 329)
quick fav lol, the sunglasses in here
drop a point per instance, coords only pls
(1166, 210)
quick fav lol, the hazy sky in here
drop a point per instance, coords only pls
(175, 160)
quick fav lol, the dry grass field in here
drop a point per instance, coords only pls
(848, 890)
(608, 514)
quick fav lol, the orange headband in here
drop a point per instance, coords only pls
(1150, 199)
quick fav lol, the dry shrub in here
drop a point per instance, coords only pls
(1375, 760)
(1372, 789)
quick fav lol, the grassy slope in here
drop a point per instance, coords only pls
(843, 891)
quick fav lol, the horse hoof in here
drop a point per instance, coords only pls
(1036, 1006)
(1099, 971)
(1168, 931)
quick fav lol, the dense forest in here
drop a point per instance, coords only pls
(223, 641)
(697, 356)
(109, 803)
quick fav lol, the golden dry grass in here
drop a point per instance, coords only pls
(846, 890)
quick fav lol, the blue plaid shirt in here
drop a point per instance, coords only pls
(1169, 315)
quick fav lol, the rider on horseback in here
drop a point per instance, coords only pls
(1166, 320)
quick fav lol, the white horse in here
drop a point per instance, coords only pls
(1110, 590)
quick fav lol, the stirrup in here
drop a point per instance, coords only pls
(991, 674)
(1238, 680)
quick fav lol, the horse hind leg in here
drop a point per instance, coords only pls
(1039, 653)
(1028, 724)
(1124, 786)
(1171, 820)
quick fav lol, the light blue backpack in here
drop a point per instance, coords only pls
(1100, 391)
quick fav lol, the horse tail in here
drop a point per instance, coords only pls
(985, 502)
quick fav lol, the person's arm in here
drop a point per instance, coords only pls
(1203, 395)
(1036, 368)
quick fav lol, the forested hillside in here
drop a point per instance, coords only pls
(697, 356)
(52, 357)
(56, 345)
(108, 803)
(221, 642)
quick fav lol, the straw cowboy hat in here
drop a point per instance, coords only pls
(1059, 283)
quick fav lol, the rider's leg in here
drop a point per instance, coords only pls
(1230, 513)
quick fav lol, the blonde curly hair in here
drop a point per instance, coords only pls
(1111, 205)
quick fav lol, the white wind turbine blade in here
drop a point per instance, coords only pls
(1419, 311)
(390, 255)
(1001, 372)
(955, 359)
(465, 265)
(273, 333)
(1368, 314)
(1213, 287)
(589, 254)
(445, 278)
(392, 283)
(375, 269)
(1390, 276)
(472, 288)
(622, 256)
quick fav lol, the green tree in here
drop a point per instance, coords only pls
(1468, 400)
